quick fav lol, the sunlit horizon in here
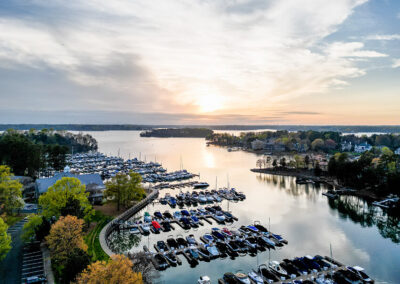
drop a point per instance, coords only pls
(200, 62)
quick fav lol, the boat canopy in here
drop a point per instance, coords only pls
(156, 225)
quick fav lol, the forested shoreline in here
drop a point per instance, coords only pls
(27, 152)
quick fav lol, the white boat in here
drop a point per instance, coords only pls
(277, 268)
(200, 185)
(212, 250)
(217, 198)
(145, 227)
(219, 216)
(242, 278)
(255, 277)
(202, 198)
(204, 280)
(134, 230)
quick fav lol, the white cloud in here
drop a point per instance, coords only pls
(396, 63)
(239, 52)
(383, 37)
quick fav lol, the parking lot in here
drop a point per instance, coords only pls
(22, 261)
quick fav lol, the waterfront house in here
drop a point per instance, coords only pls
(363, 147)
(93, 182)
(397, 151)
(257, 144)
(346, 146)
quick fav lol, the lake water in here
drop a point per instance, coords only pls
(359, 234)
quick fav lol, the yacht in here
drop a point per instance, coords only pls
(200, 185)
(277, 269)
(255, 277)
(242, 278)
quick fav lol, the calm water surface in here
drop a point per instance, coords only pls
(359, 234)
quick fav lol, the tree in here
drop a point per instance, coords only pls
(21, 154)
(65, 236)
(30, 227)
(117, 270)
(5, 240)
(307, 160)
(275, 163)
(77, 261)
(330, 144)
(317, 144)
(122, 189)
(10, 191)
(282, 162)
(62, 195)
(259, 163)
(299, 161)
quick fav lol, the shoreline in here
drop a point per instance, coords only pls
(328, 180)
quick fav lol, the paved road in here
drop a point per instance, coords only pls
(10, 267)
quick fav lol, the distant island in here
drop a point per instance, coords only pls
(178, 132)
(135, 127)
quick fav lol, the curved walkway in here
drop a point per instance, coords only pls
(107, 229)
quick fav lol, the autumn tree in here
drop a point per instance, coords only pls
(317, 144)
(124, 188)
(5, 240)
(65, 236)
(66, 193)
(117, 270)
(10, 191)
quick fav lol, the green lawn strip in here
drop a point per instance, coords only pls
(92, 238)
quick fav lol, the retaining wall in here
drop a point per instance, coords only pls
(107, 229)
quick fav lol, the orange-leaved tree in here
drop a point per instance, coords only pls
(116, 270)
(65, 236)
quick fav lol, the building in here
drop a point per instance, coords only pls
(346, 146)
(257, 145)
(93, 182)
(363, 147)
(397, 151)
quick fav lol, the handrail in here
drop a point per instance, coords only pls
(107, 229)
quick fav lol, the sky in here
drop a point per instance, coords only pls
(200, 62)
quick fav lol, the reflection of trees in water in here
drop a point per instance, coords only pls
(289, 185)
(349, 207)
(123, 241)
(360, 212)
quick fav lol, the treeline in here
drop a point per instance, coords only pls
(178, 132)
(28, 152)
(302, 141)
(104, 127)
(378, 169)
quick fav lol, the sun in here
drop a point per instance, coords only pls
(209, 102)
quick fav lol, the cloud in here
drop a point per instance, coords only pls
(396, 63)
(383, 37)
(300, 113)
(176, 56)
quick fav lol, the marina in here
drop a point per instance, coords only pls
(310, 221)
(219, 243)
(185, 219)
(306, 269)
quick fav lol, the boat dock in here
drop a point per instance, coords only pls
(176, 185)
(206, 218)
(329, 270)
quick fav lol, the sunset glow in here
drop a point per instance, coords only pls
(176, 61)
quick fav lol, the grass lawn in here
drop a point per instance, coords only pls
(92, 237)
